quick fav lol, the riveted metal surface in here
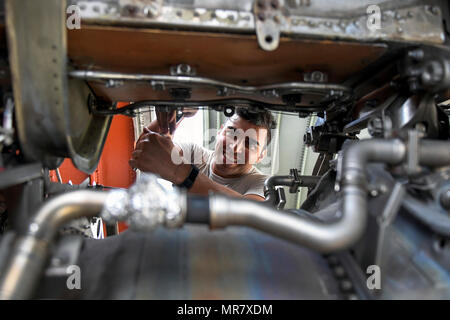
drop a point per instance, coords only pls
(195, 263)
(51, 111)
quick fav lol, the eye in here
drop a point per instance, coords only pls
(229, 131)
(251, 145)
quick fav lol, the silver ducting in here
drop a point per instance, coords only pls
(336, 235)
(30, 251)
(149, 204)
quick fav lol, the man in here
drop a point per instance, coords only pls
(228, 169)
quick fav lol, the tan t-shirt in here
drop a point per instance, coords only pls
(249, 183)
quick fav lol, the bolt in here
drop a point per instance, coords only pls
(420, 127)
(374, 193)
(317, 76)
(148, 12)
(130, 10)
(346, 285)
(56, 262)
(339, 272)
(111, 10)
(435, 10)
(261, 4)
(445, 199)
(375, 126)
(416, 54)
(383, 188)
(34, 227)
(274, 4)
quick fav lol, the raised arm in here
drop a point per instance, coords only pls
(155, 153)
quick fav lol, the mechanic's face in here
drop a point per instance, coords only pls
(240, 143)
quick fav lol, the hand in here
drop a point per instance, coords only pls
(157, 154)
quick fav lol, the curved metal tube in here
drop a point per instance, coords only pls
(30, 251)
(274, 181)
(323, 237)
(201, 81)
(271, 183)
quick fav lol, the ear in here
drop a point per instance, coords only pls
(262, 155)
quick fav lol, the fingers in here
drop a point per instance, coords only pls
(172, 126)
(166, 121)
(133, 163)
(135, 154)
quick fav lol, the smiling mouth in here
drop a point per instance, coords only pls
(230, 158)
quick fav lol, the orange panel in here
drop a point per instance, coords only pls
(68, 172)
(113, 169)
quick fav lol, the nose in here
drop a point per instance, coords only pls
(237, 145)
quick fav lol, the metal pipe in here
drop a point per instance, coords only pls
(90, 75)
(434, 153)
(274, 181)
(271, 183)
(323, 237)
(29, 254)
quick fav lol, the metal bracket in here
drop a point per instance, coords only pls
(268, 18)
(387, 217)
(52, 118)
(412, 156)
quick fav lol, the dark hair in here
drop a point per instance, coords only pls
(259, 118)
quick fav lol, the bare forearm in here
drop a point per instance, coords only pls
(203, 185)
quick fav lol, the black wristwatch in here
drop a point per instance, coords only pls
(189, 181)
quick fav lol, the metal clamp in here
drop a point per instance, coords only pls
(146, 205)
(268, 18)
(412, 165)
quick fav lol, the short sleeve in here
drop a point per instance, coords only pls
(195, 154)
(256, 185)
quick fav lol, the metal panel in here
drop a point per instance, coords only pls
(51, 112)
(195, 263)
(407, 20)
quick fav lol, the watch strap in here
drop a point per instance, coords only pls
(189, 181)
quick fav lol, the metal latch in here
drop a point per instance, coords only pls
(268, 19)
